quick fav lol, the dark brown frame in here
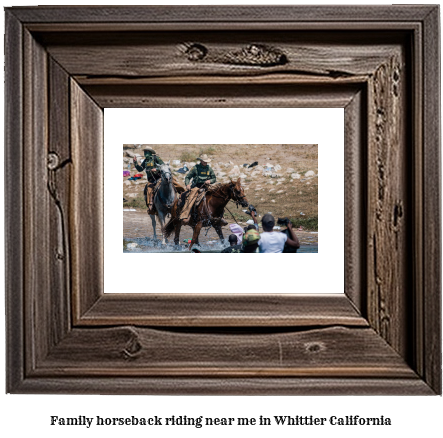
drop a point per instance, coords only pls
(64, 65)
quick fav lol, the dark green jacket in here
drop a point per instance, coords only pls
(199, 174)
(149, 163)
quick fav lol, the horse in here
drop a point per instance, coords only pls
(209, 212)
(164, 199)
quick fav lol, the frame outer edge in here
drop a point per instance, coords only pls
(14, 235)
(14, 243)
(432, 202)
(220, 13)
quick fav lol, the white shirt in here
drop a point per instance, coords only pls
(272, 242)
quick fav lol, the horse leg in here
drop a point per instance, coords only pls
(219, 232)
(177, 232)
(153, 225)
(161, 217)
(197, 229)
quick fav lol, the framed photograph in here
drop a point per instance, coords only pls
(293, 181)
(376, 332)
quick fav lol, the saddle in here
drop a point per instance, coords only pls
(185, 211)
(154, 189)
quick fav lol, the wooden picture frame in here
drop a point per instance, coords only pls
(65, 64)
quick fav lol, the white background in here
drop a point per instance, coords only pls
(294, 273)
(23, 415)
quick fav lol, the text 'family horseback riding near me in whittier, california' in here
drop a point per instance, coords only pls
(202, 421)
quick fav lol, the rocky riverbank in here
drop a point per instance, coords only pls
(284, 181)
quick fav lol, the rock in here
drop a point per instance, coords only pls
(175, 162)
(278, 183)
(273, 201)
(235, 171)
(271, 190)
(131, 195)
(274, 175)
(192, 164)
(220, 174)
(277, 167)
(242, 175)
(290, 170)
(259, 168)
(127, 183)
(258, 189)
(129, 154)
(281, 191)
(310, 173)
(132, 245)
(255, 173)
(226, 164)
(295, 176)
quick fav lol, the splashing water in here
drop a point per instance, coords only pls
(150, 245)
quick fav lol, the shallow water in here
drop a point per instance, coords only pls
(137, 225)
(149, 245)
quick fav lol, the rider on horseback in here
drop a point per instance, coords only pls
(150, 165)
(201, 175)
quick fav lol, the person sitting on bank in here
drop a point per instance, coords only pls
(274, 241)
(150, 165)
(233, 246)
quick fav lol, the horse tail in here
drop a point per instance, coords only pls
(169, 227)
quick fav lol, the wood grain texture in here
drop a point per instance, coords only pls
(355, 192)
(388, 203)
(431, 317)
(14, 238)
(226, 386)
(240, 310)
(59, 167)
(129, 351)
(86, 208)
(37, 306)
(227, 14)
(226, 96)
(166, 54)
(74, 61)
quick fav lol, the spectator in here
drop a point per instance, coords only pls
(232, 245)
(250, 241)
(274, 241)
